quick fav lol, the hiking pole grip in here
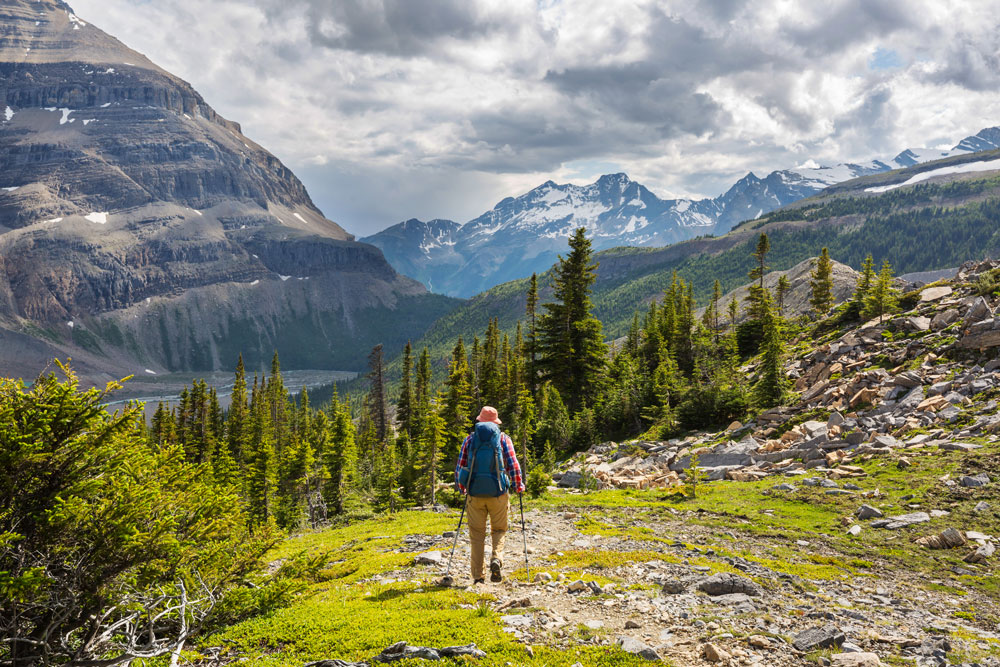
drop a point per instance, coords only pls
(524, 537)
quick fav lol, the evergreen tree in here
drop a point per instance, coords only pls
(260, 459)
(772, 383)
(377, 406)
(781, 292)
(865, 282)
(821, 284)
(882, 297)
(236, 424)
(404, 408)
(458, 407)
(571, 345)
(341, 460)
(432, 441)
(531, 310)
(758, 296)
(733, 310)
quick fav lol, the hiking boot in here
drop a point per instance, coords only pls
(495, 575)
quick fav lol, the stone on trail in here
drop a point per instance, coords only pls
(759, 641)
(724, 583)
(854, 530)
(981, 506)
(517, 620)
(958, 446)
(946, 539)
(982, 554)
(740, 602)
(674, 587)
(855, 660)
(429, 558)
(935, 293)
(578, 586)
(902, 520)
(632, 625)
(593, 624)
(869, 512)
(975, 481)
(713, 653)
(636, 647)
(543, 577)
(826, 636)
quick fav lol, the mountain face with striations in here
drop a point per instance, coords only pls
(140, 230)
(523, 235)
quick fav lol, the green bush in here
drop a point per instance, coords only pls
(538, 481)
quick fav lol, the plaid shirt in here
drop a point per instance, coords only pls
(510, 463)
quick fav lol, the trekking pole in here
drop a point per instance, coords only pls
(447, 580)
(524, 537)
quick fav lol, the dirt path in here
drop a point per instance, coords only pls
(628, 604)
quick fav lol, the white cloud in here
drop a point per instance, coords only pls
(390, 109)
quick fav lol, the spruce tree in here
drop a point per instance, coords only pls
(758, 293)
(341, 460)
(377, 405)
(236, 423)
(531, 311)
(821, 284)
(733, 310)
(882, 297)
(781, 292)
(571, 344)
(404, 407)
(772, 383)
(864, 284)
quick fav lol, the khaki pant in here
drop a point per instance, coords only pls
(496, 509)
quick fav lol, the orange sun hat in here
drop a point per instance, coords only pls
(489, 414)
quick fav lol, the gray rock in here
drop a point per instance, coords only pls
(595, 588)
(570, 480)
(918, 323)
(457, 651)
(978, 311)
(827, 636)
(674, 587)
(742, 602)
(725, 583)
(835, 419)
(981, 506)
(636, 647)
(869, 512)
(958, 446)
(518, 620)
(975, 481)
(429, 558)
(902, 520)
(944, 319)
(403, 651)
(783, 487)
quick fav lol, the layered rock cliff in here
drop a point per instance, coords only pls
(139, 228)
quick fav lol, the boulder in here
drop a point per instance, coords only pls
(636, 647)
(725, 583)
(826, 636)
(902, 520)
(944, 319)
(713, 653)
(982, 554)
(946, 539)
(570, 480)
(869, 512)
(935, 293)
(975, 481)
(978, 311)
(429, 558)
(674, 587)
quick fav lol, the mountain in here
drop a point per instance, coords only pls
(140, 231)
(523, 235)
(951, 217)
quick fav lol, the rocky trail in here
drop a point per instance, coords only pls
(856, 527)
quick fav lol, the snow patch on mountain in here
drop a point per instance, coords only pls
(968, 167)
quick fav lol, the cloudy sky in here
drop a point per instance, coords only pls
(391, 109)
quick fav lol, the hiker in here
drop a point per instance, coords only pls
(486, 472)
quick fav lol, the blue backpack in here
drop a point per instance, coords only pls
(485, 475)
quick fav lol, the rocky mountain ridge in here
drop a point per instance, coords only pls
(140, 231)
(522, 235)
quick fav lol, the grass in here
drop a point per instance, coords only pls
(345, 614)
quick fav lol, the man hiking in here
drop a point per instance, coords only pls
(486, 472)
